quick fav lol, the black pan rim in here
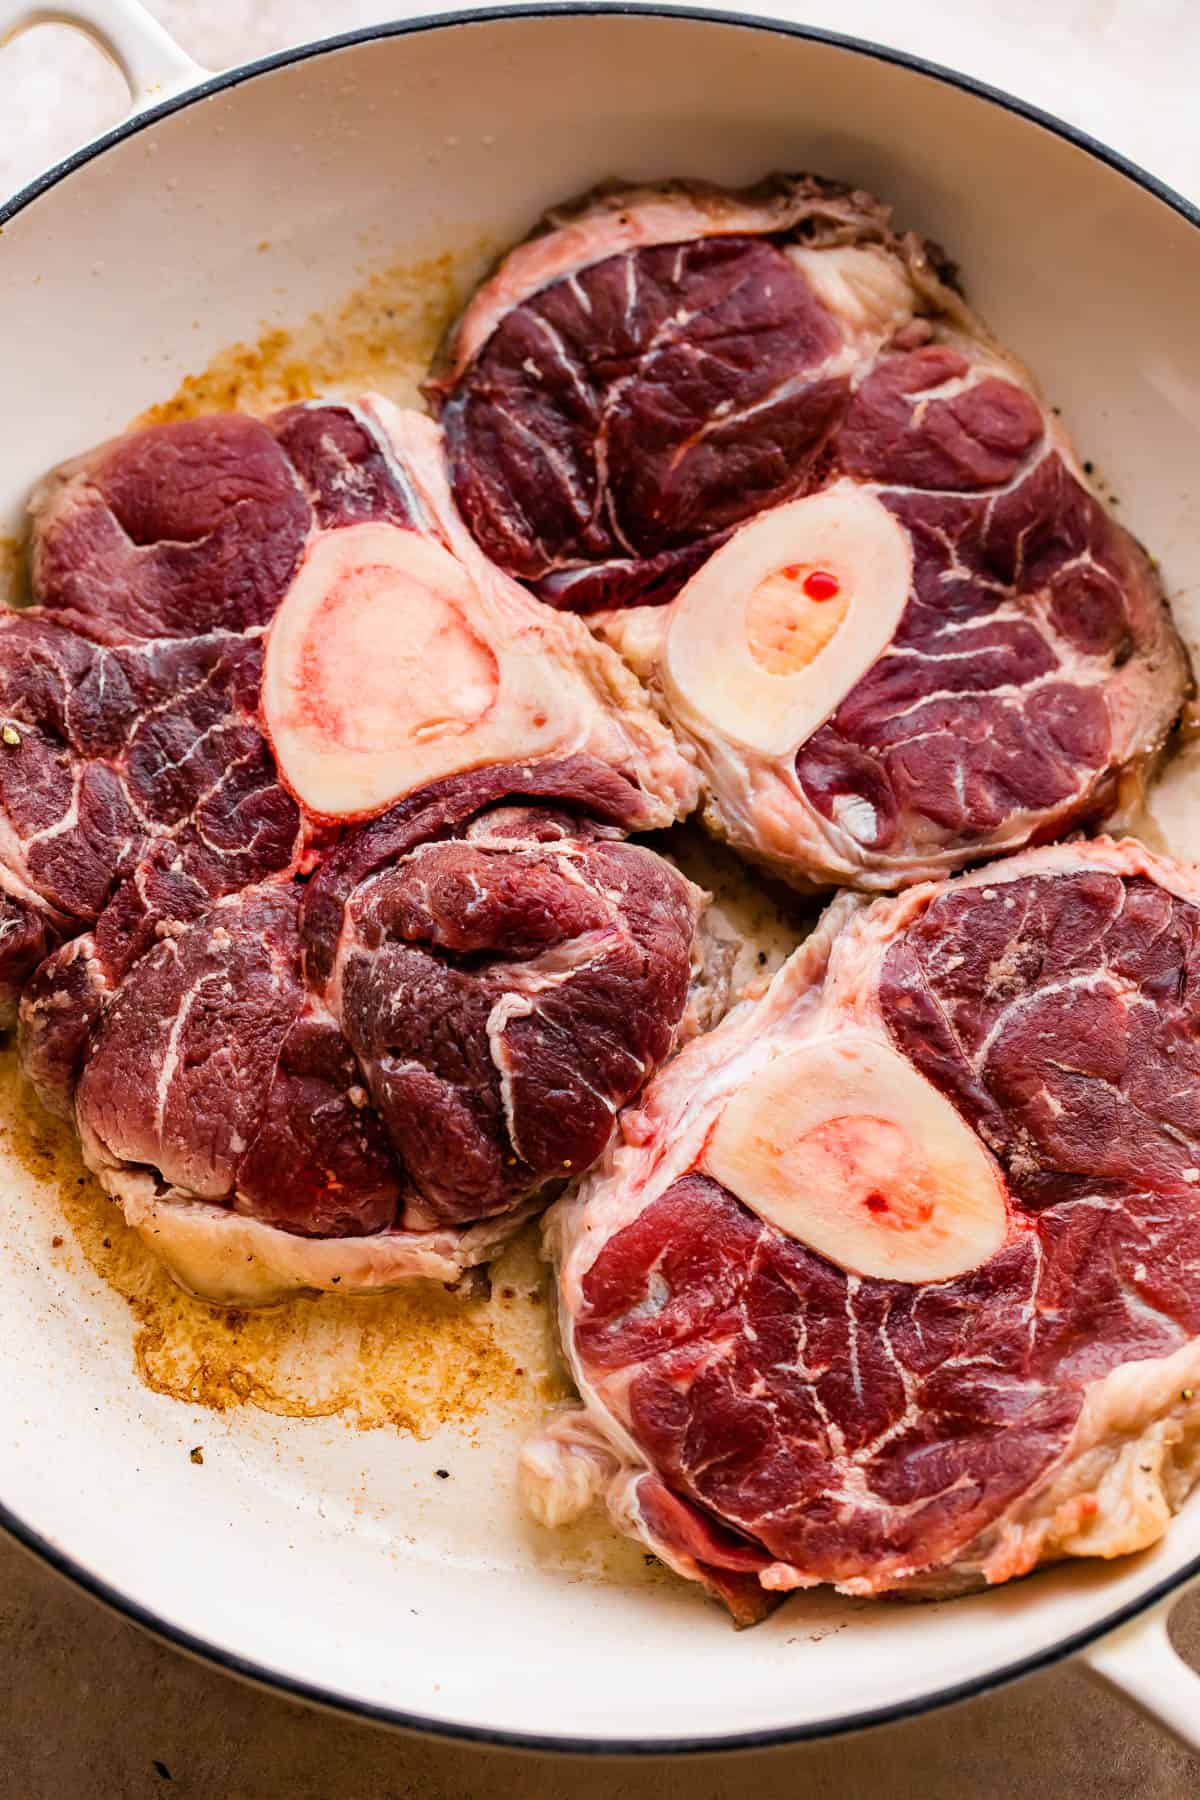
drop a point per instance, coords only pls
(347, 1704)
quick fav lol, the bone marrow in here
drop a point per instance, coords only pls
(844, 1147)
(787, 616)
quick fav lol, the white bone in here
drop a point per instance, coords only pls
(712, 676)
(844, 1146)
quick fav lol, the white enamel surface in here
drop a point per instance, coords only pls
(711, 673)
(331, 1557)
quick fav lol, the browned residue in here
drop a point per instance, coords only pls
(415, 1360)
(382, 336)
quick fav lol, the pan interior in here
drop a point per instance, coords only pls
(390, 1567)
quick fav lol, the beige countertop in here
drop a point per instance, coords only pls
(93, 1709)
(91, 1706)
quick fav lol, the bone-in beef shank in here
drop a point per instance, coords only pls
(762, 441)
(895, 1280)
(311, 844)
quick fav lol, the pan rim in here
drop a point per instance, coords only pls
(314, 1693)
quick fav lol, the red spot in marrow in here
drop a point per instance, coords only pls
(819, 584)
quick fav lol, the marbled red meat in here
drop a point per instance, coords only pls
(496, 992)
(505, 991)
(214, 1067)
(836, 1426)
(223, 1081)
(660, 370)
(135, 780)
(136, 785)
(648, 370)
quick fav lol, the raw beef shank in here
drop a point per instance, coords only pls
(314, 821)
(761, 439)
(894, 1280)
(383, 1073)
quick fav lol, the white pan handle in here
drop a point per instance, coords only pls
(148, 57)
(1140, 1662)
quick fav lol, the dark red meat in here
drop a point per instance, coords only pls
(993, 700)
(660, 366)
(505, 992)
(135, 783)
(870, 1432)
(575, 440)
(212, 1067)
(496, 995)
(187, 528)
(329, 1058)
(650, 369)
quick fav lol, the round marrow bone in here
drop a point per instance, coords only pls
(355, 711)
(400, 656)
(715, 665)
(843, 1145)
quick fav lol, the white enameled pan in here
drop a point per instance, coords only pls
(333, 1563)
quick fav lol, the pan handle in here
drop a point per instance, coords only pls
(1141, 1663)
(148, 57)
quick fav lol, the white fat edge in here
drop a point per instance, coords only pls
(229, 1258)
(1134, 1452)
(866, 288)
(625, 1511)
(564, 1467)
(1117, 856)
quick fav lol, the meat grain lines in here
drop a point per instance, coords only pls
(302, 1056)
(825, 1335)
(321, 754)
(658, 371)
